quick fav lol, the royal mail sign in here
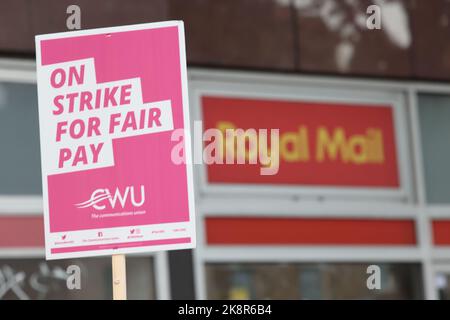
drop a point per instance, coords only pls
(322, 144)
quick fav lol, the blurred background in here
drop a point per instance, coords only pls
(379, 194)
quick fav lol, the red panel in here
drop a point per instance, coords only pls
(281, 231)
(441, 232)
(321, 144)
(21, 231)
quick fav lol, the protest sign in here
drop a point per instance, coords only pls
(109, 100)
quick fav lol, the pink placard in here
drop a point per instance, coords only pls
(110, 101)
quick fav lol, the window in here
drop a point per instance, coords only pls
(20, 172)
(443, 285)
(39, 279)
(434, 115)
(311, 281)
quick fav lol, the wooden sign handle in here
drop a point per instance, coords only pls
(119, 277)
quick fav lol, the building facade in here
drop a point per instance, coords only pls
(362, 179)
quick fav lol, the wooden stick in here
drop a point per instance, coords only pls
(119, 275)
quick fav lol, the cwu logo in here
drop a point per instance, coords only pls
(100, 198)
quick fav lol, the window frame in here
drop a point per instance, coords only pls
(227, 203)
(234, 84)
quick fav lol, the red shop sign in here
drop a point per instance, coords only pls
(320, 143)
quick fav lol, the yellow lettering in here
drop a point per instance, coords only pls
(357, 149)
(331, 145)
(375, 145)
(226, 148)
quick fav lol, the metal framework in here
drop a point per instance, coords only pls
(408, 202)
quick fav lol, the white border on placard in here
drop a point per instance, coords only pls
(189, 169)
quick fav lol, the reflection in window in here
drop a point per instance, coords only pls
(20, 170)
(434, 115)
(311, 281)
(442, 282)
(38, 279)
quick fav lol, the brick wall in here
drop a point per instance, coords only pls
(320, 36)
